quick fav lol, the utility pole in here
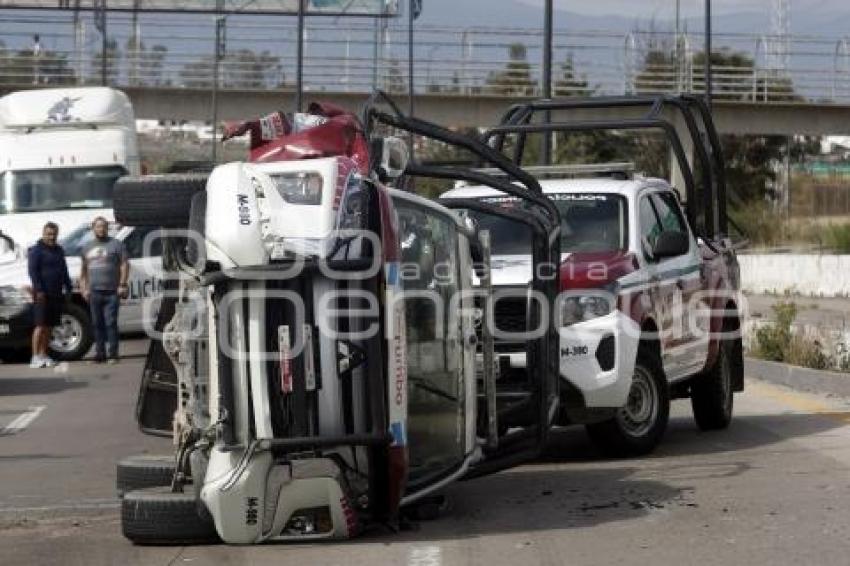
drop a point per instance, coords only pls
(708, 85)
(299, 71)
(219, 54)
(100, 24)
(134, 69)
(78, 42)
(546, 153)
(411, 15)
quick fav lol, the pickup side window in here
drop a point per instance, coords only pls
(649, 226)
(668, 212)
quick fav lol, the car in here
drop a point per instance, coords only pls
(73, 337)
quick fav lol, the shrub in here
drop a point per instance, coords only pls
(773, 339)
(837, 238)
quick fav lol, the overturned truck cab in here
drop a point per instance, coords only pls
(327, 361)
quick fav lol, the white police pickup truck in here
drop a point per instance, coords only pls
(646, 313)
(73, 337)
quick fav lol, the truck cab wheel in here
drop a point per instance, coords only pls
(639, 425)
(712, 392)
(157, 515)
(73, 337)
(143, 471)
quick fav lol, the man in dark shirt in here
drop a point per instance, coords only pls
(103, 283)
(49, 276)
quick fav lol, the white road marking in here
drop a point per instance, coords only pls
(23, 420)
(425, 556)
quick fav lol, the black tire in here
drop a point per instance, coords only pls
(157, 200)
(712, 397)
(156, 515)
(638, 427)
(15, 355)
(143, 471)
(73, 337)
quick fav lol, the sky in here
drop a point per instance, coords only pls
(689, 8)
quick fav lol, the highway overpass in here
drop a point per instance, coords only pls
(454, 110)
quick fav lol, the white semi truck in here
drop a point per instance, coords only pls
(61, 151)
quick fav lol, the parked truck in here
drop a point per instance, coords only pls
(61, 151)
(650, 306)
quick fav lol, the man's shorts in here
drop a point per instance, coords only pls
(49, 312)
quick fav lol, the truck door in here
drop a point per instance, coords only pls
(662, 284)
(145, 277)
(437, 365)
(691, 340)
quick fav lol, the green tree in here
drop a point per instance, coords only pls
(21, 68)
(515, 79)
(113, 60)
(570, 83)
(242, 69)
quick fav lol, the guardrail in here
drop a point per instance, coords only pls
(357, 56)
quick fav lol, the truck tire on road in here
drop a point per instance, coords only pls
(74, 336)
(157, 515)
(638, 427)
(157, 200)
(143, 471)
(712, 393)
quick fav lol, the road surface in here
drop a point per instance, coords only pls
(773, 489)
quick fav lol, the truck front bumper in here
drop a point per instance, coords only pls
(16, 327)
(597, 358)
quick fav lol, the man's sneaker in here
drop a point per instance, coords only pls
(36, 362)
(48, 362)
(112, 361)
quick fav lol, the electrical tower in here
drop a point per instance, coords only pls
(780, 29)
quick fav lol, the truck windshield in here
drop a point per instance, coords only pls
(57, 189)
(590, 222)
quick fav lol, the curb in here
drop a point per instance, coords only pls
(803, 379)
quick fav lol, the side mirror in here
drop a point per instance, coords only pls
(671, 243)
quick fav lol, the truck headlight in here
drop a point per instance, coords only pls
(300, 187)
(13, 300)
(578, 308)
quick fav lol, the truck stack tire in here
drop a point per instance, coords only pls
(157, 200)
(712, 392)
(81, 321)
(157, 515)
(143, 471)
(622, 436)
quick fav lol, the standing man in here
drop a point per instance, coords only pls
(103, 282)
(49, 277)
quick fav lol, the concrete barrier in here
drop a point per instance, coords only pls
(803, 379)
(813, 275)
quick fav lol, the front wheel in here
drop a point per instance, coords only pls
(73, 337)
(637, 427)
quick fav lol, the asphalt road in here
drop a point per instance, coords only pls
(773, 489)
